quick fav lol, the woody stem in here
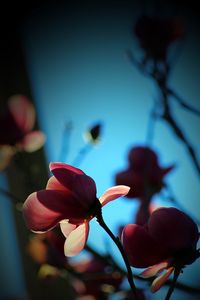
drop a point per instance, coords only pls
(121, 249)
(172, 286)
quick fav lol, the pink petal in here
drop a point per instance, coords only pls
(77, 181)
(76, 240)
(153, 270)
(54, 184)
(44, 209)
(22, 111)
(57, 165)
(114, 193)
(159, 281)
(66, 227)
(33, 141)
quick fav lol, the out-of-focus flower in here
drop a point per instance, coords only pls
(99, 281)
(69, 199)
(144, 175)
(47, 248)
(156, 34)
(167, 242)
(93, 134)
(17, 122)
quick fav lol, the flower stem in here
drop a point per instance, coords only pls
(172, 286)
(121, 249)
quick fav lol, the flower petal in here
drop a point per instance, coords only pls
(143, 251)
(66, 227)
(33, 141)
(153, 270)
(22, 111)
(69, 169)
(44, 209)
(173, 229)
(77, 181)
(76, 240)
(54, 184)
(114, 193)
(160, 280)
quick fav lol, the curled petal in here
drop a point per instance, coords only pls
(160, 280)
(76, 240)
(44, 209)
(33, 141)
(22, 111)
(69, 169)
(76, 180)
(114, 193)
(154, 270)
(66, 227)
(54, 184)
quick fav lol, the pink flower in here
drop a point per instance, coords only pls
(167, 242)
(17, 122)
(144, 175)
(69, 199)
(156, 35)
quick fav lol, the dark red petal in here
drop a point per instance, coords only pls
(142, 250)
(173, 229)
(77, 181)
(44, 209)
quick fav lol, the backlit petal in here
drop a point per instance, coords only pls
(160, 280)
(114, 193)
(76, 240)
(153, 270)
(66, 227)
(77, 181)
(54, 184)
(44, 209)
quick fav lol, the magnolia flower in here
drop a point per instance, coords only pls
(155, 35)
(70, 200)
(167, 242)
(144, 175)
(17, 122)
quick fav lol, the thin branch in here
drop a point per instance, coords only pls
(183, 102)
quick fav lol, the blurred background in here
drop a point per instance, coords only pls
(71, 61)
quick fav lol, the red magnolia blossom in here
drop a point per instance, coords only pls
(144, 175)
(156, 34)
(69, 199)
(99, 281)
(17, 121)
(167, 242)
